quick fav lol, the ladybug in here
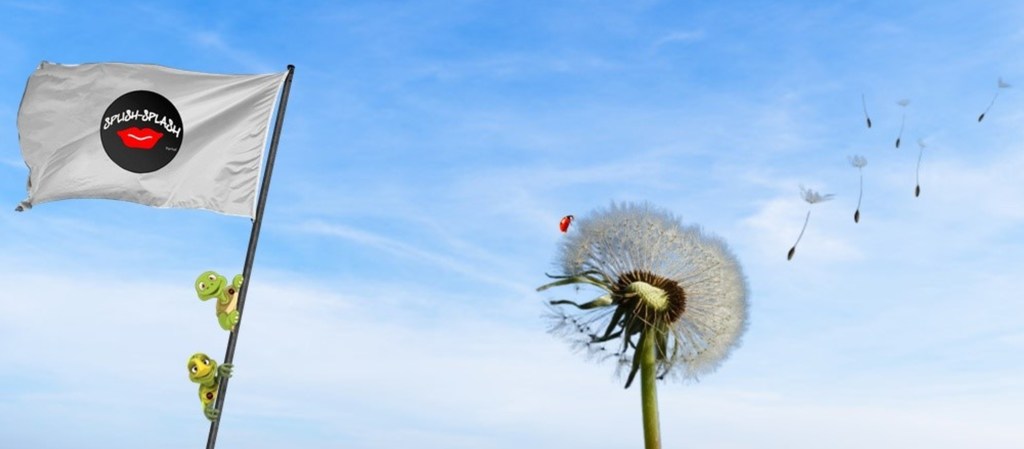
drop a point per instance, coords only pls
(564, 224)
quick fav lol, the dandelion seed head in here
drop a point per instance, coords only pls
(663, 277)
(812, 197)
(858, 161)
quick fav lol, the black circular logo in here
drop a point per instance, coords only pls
(141, 131)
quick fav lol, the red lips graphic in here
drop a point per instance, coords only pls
(139, 138)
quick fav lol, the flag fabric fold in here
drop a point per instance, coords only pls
(146, 134)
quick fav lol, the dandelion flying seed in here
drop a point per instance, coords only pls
(673, 300)
(811, 197)
(859, 162)
(864, 103)
(903, 104)
(917, 176)
(999, 87)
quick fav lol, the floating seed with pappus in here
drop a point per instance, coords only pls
(999, 87)
(811, 197)
(903, 120)
(859, 162)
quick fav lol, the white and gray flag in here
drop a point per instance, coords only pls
(146, 134)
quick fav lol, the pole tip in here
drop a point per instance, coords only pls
(291, 67)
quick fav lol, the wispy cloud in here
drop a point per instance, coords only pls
(200, 33)
(13, 163)
(214, 41)
(777, 222)
(438, 149)
(404, 250)
(36, 6)
(677, 37)
(323, 362)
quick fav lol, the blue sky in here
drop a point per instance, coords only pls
(428, 153)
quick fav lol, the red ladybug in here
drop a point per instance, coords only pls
(564, 224)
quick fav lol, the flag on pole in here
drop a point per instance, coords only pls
(147, 134)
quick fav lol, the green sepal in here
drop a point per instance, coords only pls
(601, 301)
(606, 337)
(616, 316)
(582, 278)
(636, 367)
(661, 351)
(582, 273)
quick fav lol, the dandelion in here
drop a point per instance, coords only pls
(859, 162)
(917, 176)
(999, 87)
(864, 103)
(673, 302)
(811, 197)
(903, 104)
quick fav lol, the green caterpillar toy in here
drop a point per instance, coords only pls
(204, 371)
(212, 285)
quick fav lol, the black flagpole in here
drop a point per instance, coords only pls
(211, 441)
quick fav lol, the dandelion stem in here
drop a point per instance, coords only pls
(903, 121)
(982, 116)
(864, 103)
(917, 175)
(648, 389)
(801, 232)
(861, 194)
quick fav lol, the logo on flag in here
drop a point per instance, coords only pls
(141, 131)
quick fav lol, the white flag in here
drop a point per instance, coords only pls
(146, 134)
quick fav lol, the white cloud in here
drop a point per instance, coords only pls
(14, 163)
(36, 6)
(774, 228)
(338, 363)
(213, 41)
(679, 37)
(404, 250)
(894, 332)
